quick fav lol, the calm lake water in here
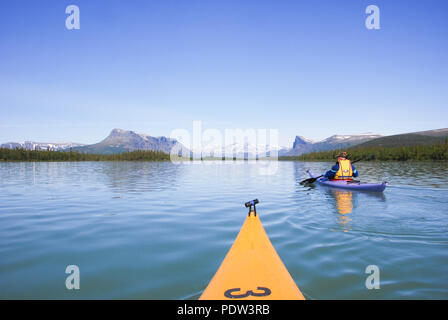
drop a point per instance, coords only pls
(156, 230)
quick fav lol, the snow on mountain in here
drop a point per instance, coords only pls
(362, 136)
(302, 145)
(31, 145)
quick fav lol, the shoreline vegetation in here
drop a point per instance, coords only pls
(43, 155)
(435, 152)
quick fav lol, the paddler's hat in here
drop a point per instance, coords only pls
(342, 154)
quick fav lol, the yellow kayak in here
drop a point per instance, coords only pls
(252, 269)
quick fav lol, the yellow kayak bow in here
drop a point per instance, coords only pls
(252, 269)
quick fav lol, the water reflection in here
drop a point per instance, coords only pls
(344, 202)
(140, 177)
(170, 213)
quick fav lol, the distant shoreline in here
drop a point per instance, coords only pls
(435, 152)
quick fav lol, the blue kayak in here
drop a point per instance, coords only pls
(352, 185)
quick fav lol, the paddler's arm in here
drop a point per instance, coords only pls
(355, 172)
(330, 173)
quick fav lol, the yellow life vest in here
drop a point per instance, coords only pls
(345, 171)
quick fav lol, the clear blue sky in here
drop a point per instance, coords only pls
(307, 68)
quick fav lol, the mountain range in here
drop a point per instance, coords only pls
(302, 145)
(125, 140)
(32, 145)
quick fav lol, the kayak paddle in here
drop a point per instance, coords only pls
(312, 180)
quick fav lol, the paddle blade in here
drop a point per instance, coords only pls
(309, 180)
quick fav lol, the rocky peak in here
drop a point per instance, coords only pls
(300, 141)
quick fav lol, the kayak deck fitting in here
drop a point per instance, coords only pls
(252, 269)
(355, 185)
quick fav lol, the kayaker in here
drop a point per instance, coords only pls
(342, 170)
